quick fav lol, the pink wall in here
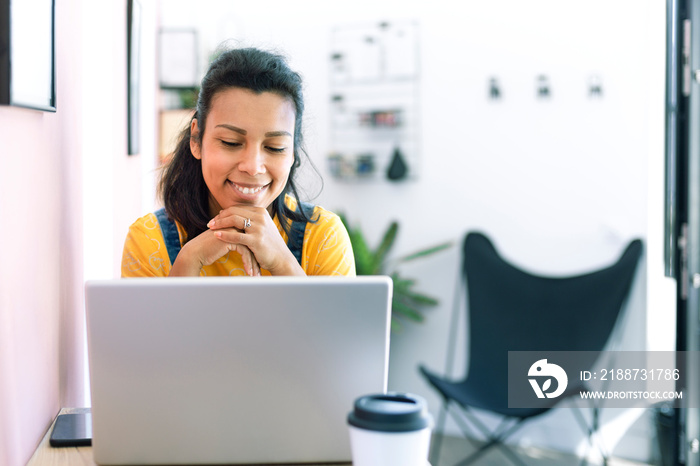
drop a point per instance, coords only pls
(41, 317)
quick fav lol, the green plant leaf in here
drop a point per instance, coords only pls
(403, 290)
(418, 299)
(406, 303)
(385, 246)
(364, 260)
(401, 284)
(407, 311)
(425, 252)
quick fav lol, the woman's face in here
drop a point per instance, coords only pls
(247, 149)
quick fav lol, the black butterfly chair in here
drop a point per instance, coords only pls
(513, 310)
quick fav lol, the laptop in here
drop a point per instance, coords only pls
(237, 371)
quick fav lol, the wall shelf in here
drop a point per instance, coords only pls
(374, 101)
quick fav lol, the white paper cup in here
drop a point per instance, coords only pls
(390, 429)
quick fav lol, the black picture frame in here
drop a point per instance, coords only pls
(133, 67)
(28, 54)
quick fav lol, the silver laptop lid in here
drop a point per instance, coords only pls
(220, 370)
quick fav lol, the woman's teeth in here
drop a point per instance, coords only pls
(248, 190)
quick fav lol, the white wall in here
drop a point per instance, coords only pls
(561, 186)
(118, 187)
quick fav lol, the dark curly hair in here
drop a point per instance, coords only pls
(182, 187)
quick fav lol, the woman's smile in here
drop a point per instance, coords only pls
(248, 191)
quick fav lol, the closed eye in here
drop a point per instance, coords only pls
(275, 150)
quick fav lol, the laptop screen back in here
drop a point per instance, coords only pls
(219, 370)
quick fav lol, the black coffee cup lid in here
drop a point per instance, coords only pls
(390, 412)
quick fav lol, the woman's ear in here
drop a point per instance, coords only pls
(195, 141)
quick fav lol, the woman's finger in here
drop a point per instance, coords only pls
(252, 268)
(250, 263)
(238, 222)
(231, 235)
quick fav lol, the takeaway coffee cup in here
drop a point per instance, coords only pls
(391, 429)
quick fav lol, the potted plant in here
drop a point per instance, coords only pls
(407, 304)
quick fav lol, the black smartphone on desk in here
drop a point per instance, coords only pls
(72, 430)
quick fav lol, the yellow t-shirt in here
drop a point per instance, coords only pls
(326, 250)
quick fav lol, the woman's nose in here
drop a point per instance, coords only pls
(252, 161)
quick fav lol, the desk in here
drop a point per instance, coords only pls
(46, 455)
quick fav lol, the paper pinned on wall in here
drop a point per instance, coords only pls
(400, 44)
(375, 52)
(365, 58)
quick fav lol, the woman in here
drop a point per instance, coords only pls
(231, 204)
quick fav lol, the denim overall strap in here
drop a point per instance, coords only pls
(295, 242)
(170, 234)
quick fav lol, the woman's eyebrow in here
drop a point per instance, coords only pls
(273, 134)
(233, 128)
(269, 134)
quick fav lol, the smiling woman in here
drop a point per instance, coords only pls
(231, 203)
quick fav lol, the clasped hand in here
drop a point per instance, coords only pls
(259, 243)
